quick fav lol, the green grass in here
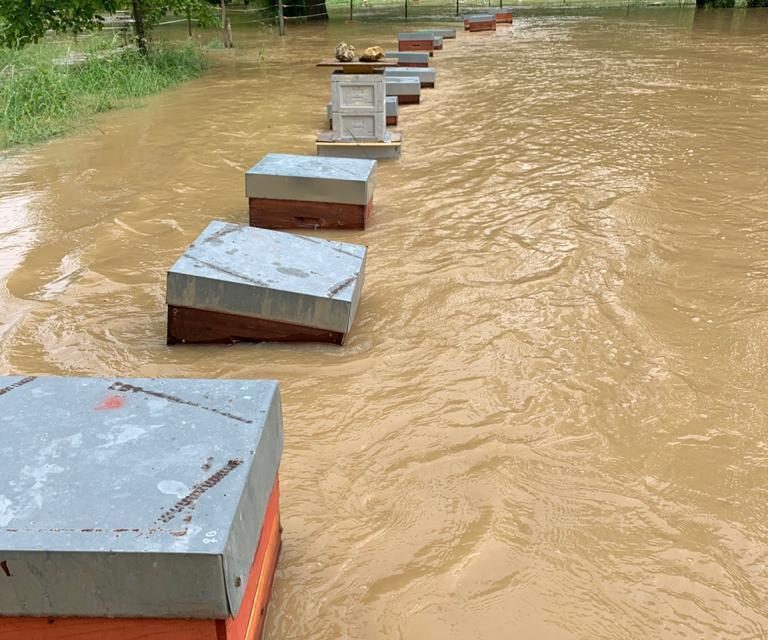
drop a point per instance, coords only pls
(39, 99)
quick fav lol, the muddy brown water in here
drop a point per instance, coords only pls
(551, 418)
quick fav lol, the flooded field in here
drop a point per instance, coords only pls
(551, 419)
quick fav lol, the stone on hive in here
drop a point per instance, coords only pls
(345, 52)
(144, 511)
(372, 54)
(287, 191)
(242, 283)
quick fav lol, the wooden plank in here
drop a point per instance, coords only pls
(106, 629)
(301, 214)
(199, 326)
(416, 45)
(249, 622)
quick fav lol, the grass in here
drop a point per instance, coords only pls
(40, 99)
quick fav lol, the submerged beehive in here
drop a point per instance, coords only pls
(287, 191)
(480, 22)
(445, 33)
(138, 508)
(242, 283)
(416, 41)
(426, 76)
(409, 58)
(503, 15)
(406, 90)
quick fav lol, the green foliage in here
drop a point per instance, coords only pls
(201, 11)
(25, 21)
(40, 99)
(757, 3)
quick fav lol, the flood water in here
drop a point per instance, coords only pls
(550, 420)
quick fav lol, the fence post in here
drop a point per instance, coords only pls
(281, 17)
(350, 10)
(457, 8)
(406, 10)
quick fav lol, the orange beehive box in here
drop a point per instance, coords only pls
(163, 519)
(248, 624)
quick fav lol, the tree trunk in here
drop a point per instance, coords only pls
(138, 26)
(226, 27)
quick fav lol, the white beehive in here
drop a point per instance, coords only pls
(358, 107)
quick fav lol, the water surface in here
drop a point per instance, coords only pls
(550, 419)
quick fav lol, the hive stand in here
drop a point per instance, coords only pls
(288, 191)
(238, 283)
(140, 518)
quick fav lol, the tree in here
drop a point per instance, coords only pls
(23, 22)
(147, 13)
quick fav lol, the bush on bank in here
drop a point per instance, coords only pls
(47, 89)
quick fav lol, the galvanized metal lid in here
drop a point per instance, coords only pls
(282, 176)
(272, 275)
(133, 497)
(416, 35)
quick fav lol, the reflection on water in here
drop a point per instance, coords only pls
(550, 419)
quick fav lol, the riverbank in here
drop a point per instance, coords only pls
(49, 88)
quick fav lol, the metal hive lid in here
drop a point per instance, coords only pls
(133, 497)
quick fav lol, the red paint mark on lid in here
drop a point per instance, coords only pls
(111, 402)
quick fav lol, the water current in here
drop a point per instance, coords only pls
(550, 420)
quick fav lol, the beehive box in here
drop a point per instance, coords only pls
(416, 41)
(406, 90)
(238, 283)
(390, 109)
(287, 191)
(445, 33)
(503, 15)
(481, 22)
(426, 76)
(409, 58)
(358, 107)
(126, 514)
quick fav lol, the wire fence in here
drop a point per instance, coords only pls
(425, 10)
